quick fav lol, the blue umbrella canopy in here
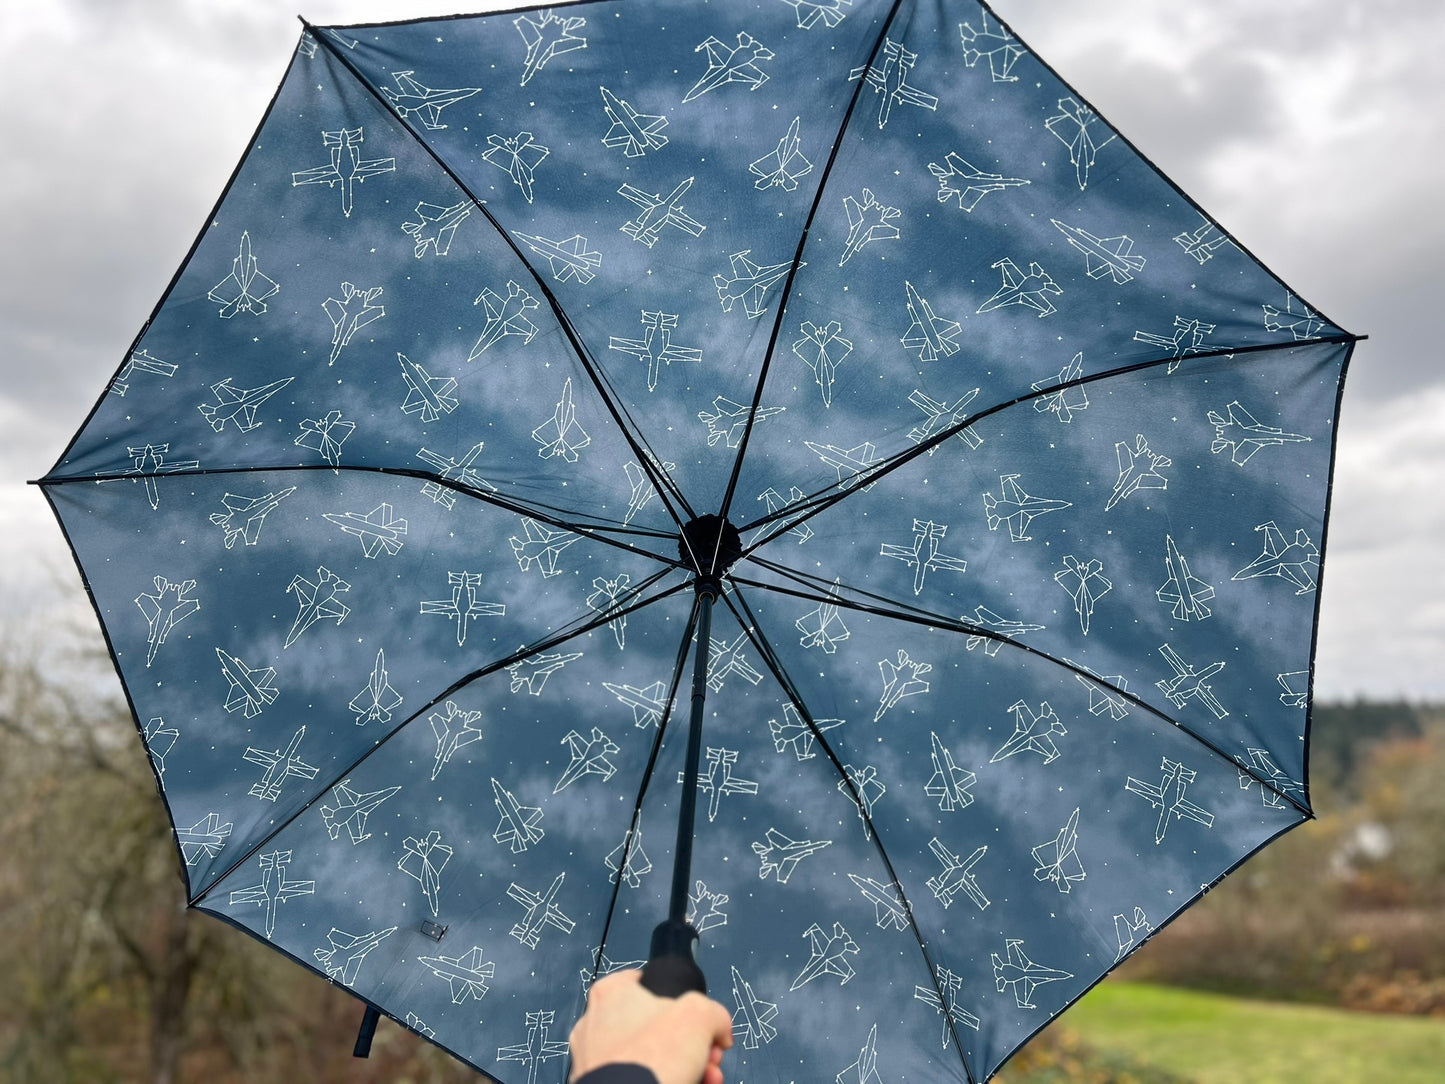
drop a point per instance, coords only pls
(405, 508)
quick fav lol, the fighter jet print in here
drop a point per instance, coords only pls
(453, 728)
(520, 825)
(460, 473)
(1131, 932)
(823, 627)
(561, 437)
(1188, 338)
(1237, 432)
(243, 516)
(705, 909)
(739, 64)
(589, 757)
(1017, 508)
(628, 861)
(862, 787)
(538, 1049)
(811, 12)
(656, 346)
(1203, 242)
(467, 975)
(641, 484)
(342, 959)
(659, 211)
(850, 463)
(317, 601)
(379, 530)
(1139, 468)
(238, 405)
(1169, 797)
(994, 41)
(726, 658)
(1002, 629)
(1032, 290)
(326, 435)
(205, 838)
(435, 227)
(1296, 688)
(889, 912)
(346, 168)
(411, 100)
(923, 556)
(140, 361)
(1069, 397)
(1103, 255)
(349, 313)
(245, 289)
(823, 349)
(275, 888)
(547, 36)
(648, 703)
(967, 185)
(719, 780)
(949, 783)
(464, 605)
(1301, 321)
(749, 283)
(888, 76)
(1019, 975)
(539, 546)
(427, 396)
(1078, 127)
(570, 260)
(423, 861)
(783, 167)
(779, 856)
(796, 734)
(946, 997)
(250, 690)
(943, 416)
(1102, 694)
(540, 911)
(349, 809)
(1184, 591)
(932, 336)
(518, 156)
(753, 1017)
(1033, 733)
(280, 766)
(828, 955)
(901, 677)
(1058, 859)
(868, 221)
(865, 1069)
(1188, 684)
(956, 876)
(604, 599)
(728, 421)
(1085, 581)
(1275, 787)
(148, 462)
(636, 133)
(532, 672)
(776, 502)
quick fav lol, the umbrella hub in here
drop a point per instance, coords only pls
(709, 545)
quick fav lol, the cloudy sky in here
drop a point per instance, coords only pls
(1312, 129)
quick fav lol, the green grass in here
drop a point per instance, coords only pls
(1224, 1040)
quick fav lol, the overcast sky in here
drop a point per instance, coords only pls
(1312, 129)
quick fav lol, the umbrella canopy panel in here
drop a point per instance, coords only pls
(1030, 462)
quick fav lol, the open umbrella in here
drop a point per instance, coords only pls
(836, 343)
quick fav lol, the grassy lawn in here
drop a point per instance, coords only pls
(1223, 1040)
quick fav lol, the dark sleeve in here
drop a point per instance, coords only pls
(619, 1074)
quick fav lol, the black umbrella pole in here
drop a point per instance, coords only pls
(671, 968)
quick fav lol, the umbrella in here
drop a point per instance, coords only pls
(807, 420)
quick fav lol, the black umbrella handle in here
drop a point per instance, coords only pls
(671, 970)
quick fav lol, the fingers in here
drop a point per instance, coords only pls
(710, 1016)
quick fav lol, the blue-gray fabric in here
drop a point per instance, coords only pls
(1030, 459)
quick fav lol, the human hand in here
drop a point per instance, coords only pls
(680, 1039)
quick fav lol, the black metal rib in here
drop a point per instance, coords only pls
(798, 256)
(937, 622)
(825, 498)
(666, 490)
(770, 658)
(556, 640)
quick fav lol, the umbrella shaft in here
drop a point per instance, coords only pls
(682, 853)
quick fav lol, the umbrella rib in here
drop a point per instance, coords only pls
(500, 664)
(823, 499)
(940, 623)
(647, 771)
(660, 481)
(788, 281)
(775, 665)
